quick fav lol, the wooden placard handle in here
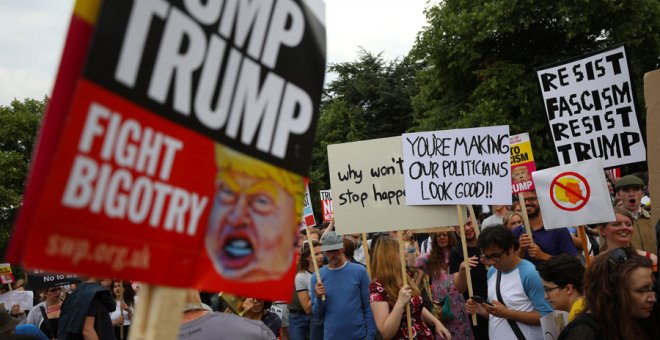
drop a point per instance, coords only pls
(404, 275)
(468, 276)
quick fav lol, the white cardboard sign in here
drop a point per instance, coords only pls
(461, 166)
(573, 195)
(368, 190)
(590, 104)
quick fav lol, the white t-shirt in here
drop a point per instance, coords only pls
(521, 290)
(491, 221)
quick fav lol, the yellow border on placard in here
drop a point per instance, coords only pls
(87, 10)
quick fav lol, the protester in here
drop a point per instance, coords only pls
(515, 291)
(302, 324)
(512, 220)
(124, 296)
(621, 232)
(349, 250)
(477, 274)
(389, 295)
(618, 287)
(49, 310)
(346, 310)
(497, 218)
(86, 312)
(629, 192)
(258, 309)
(253, 221)
(544, 244)
(562, 282)
(359, 254)
(198, 323)
(449, 302)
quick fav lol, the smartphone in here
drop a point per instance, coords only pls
(479, 299)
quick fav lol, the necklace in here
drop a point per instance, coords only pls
(52, 309)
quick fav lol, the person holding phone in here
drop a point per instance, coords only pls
(514, 289)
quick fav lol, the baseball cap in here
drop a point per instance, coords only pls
(629, 181)
(331, 241)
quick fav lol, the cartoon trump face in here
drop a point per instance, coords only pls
(253, 222)
(520, 174)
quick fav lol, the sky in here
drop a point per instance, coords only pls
(32, 34)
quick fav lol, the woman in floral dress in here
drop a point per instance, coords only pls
(435, 264)
(389, 295)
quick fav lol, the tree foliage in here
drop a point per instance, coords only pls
(369, 98)
(478, 58)
(19, 123)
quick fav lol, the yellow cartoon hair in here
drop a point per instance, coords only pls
(230, 160)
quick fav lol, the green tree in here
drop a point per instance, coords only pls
(19, 123)
(369, 98)
(478, 58)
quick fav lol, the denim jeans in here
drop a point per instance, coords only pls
(299, 326)
(316, 328)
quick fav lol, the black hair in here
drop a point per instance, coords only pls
(563, 270)
(499, 236)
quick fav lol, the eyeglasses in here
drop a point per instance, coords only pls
(549, 289)
(493, 257)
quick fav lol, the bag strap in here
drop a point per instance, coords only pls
(48, 326)
(513, 324)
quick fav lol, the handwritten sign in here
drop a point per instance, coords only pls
(462, 166)
(522, 163)
(590, 104)
(368, 189)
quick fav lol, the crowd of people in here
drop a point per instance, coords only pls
(347, 289)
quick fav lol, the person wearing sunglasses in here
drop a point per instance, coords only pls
(515, 291)
(562, 282)
(46, 315)
(620, 297)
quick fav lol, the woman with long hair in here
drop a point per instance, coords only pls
(389, 295)
(46, 315)
(618, 233)
(449, 303)
(620, 295)
(124, 295)
(302, 324)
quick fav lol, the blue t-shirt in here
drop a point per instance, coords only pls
(346, 310)
(553, 242)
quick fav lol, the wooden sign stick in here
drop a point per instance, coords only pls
(523, 212)
(468, 276)
(160, 313)
(585, 247)
(367, 258)
(475, 223)
(402, 256)
(316, 265)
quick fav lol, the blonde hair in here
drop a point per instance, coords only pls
(229, 160)
(386, 267)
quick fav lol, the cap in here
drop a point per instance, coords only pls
(629, 181)
(331, 241)
(7, 323)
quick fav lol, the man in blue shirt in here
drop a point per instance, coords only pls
(544, 244)
(345, 285)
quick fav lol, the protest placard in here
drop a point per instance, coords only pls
(37, 281)
(23, 298)
(367, 183)
(175, 116)
(591, 108)
(6, 276)
(573, 195)
(326, 205)
(308, 219)
(522, 163)
(461, 166)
